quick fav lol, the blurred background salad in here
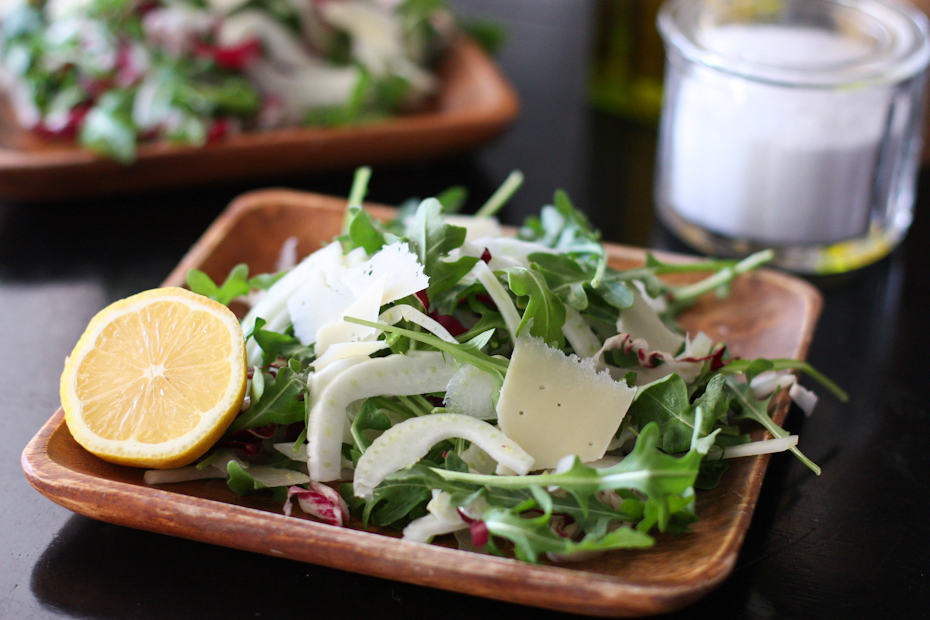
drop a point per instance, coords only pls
(114, 73)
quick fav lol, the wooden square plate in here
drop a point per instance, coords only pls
(767, 314)
(474, 103)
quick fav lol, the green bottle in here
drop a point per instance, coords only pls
(627, 60)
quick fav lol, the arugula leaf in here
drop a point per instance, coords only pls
(370, 417)
(239, 479)
(445, 276)
(108, 128)
(236, 284)
(464, 353)
(532, 537)
(489, 34)
(395, 501)
(565, 277)
(665, 402)
(501, 195)
(543, 308)
(647, 470)
(741, 366)
(715, 402)
(276, 344)
(283, 400)
(365, 232)
(452, 199)
(563, 227)
(748, 407)
(430, 237)
(354, 110)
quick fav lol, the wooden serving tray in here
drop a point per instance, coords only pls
(474, 103)
(766, 314)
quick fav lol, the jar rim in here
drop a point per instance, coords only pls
(901, 48)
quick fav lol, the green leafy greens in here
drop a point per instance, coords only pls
(669, 445)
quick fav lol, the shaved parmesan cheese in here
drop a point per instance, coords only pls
(277, 300)
(406, 443)
(366, 306)
(555, 405)
(328, 296)
(394, 375)
(320, 301)
(401, 270)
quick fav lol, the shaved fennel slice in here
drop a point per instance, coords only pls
(318, 381)
(217, 468)
(642, 321)
(803, 398)
(755, 448)
(181, 474)
(406, 443)
(478, 460)
(291, 451)
(395, 314)
(287, 255)
(276, 477)
(443, 518)
(394, 375)
(688, 365)
(505, 251)
(430, 525)
(277, 42)
(655, 364)
(473, 392)
(768, 382)
(499, 295)
(579, 334)
(343, 350)
(213, 466)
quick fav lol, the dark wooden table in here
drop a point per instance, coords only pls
(851, 543)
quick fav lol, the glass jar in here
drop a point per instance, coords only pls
(791, 124)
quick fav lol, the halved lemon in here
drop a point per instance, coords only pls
(155, 379)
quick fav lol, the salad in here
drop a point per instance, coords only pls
(114, 73)
(433, 375)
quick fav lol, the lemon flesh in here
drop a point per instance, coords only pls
(155, 379)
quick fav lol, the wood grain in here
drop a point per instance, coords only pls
(767, 313)
(474, 103)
